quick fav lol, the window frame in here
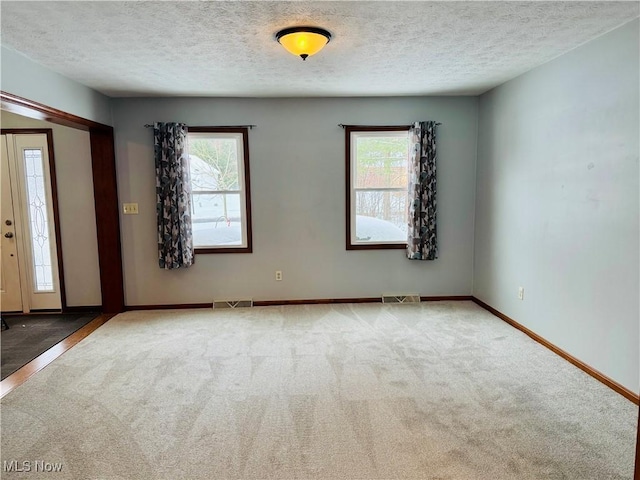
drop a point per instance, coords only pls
(246, 187)
(350, 190)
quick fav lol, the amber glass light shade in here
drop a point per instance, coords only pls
(303, 41)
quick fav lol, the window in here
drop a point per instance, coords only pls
(221, 205)
(38, 212)
(377, 184)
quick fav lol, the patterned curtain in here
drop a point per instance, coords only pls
(422, 241)
(173, 195)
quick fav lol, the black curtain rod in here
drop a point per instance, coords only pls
(342, 125)
(150, 125)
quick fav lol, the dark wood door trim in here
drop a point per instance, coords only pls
(103, 163)
(28, 108)
(107, 220)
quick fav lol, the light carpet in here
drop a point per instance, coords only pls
(440, 390)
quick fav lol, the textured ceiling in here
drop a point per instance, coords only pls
(228, 48)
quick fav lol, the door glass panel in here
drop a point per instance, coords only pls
(38, 220)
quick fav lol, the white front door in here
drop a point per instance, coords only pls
(27, 158)
(10, 290)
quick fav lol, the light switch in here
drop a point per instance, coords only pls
(130, 208)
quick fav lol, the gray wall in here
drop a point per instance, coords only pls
(76, 205)
(27, 79)
(557, 202)
(298, 201)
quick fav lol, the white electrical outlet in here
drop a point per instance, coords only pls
(521, 293)
(278, 275)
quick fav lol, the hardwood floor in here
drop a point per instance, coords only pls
(19, 377)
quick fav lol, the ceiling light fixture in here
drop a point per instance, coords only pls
(303, 41)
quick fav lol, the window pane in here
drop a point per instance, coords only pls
(382, 162)
(221, 213)
(214, 163)
(217, 219)
(38, 220)
(381, 216)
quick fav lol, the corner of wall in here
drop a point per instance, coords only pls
(25, 78)
(475, 195)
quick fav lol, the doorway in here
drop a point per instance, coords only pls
(105, 187)
(31, 263)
